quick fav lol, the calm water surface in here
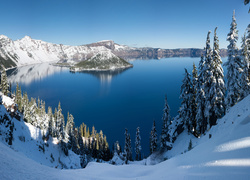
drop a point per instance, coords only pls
(110, 101)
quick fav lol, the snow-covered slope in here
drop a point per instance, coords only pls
(102, 61)
(226, 155)
(28, 51)
(28, 140)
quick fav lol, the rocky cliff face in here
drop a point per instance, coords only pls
(30, 51)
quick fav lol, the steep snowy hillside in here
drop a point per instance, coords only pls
(28, 140)
(30, 51)
(102, 61)
(226, 155)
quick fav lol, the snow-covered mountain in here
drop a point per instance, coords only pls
(102, 61)
(223, 153)
(28, 51)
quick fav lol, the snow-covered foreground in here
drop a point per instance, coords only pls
(226, 155)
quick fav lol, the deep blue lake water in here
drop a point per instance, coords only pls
(110, 101)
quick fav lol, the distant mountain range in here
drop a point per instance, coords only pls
(28, 51)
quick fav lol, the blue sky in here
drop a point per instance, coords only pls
(138, 23)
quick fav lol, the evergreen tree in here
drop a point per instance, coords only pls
(70, 126)
(193, 100)
(25, 102)
(200, 100)
(190, 145)
(208, 78)
(101, 140)
(4, 83)
(80, 143)
(74, 140)
(42, 109)
(18, 98)
(245, 82)
(185, 111)
(233, 66)
(153, 139)
(60, 123)
(93, 132)
(50, 125)
(127, 147)
(137, 144)
(248, 44)
(166, 122)
(117, 148)
(217, 90)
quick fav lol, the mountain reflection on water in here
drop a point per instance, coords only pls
(105, 77)
(28, 74)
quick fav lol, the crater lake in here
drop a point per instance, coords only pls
(113, 100)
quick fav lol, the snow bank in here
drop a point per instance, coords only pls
(226, 155)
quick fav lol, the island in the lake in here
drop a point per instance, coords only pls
(102, 61)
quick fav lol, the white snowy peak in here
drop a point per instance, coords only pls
(28, 51)
(104, 55)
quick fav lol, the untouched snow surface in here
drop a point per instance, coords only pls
(226, 155)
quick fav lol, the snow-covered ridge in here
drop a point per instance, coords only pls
(28, 51)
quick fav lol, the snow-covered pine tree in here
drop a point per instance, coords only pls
(70, 126)
(233, 66)
(248, 47)
(4, 83)
(60, 123)
(42, 109)
(200, 100)
(55, 131)
(127, 147)
(117, 148)
(80, 143)
(25, 102)
(18, 98)
(165, 123)
(185, 111)
(51, 123)
(217, 89)
(137, 144)
(208, 78)
(244, 82)
(153, 139)
(193, 101)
